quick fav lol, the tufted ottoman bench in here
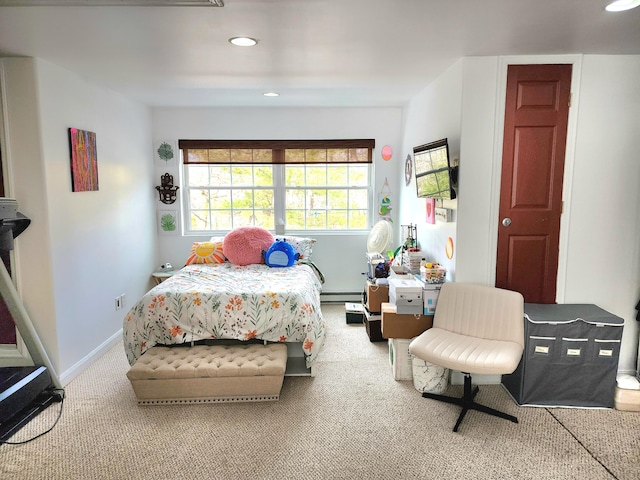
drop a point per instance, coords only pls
(209, 373)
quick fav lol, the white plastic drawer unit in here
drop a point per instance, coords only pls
(406, 295)
(430, 293)
(570, 358)
(410, 302)
(404, 285)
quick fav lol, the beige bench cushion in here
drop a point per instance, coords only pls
(204, 373)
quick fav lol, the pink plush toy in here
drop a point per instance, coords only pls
(244, 245)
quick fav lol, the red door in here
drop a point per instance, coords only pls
(535, 134)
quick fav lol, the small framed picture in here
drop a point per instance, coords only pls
(165, 153)
(444, 214)
(168, 222)
(84, 160)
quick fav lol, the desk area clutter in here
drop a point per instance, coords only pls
(570, 358)
(396, 309)
(571, 351)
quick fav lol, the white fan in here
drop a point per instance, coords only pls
(380, 238)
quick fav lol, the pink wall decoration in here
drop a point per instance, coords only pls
(387, 153)
(431, 210)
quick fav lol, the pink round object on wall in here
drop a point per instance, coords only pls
(387, 153)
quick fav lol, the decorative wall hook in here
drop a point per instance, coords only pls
(166, 190)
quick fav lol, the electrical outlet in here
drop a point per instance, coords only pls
(118, 303)
(123, 300)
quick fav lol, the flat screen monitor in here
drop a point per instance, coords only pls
(433, 170)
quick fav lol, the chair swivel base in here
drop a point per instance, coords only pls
(467, 403)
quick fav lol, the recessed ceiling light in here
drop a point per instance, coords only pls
(243, 41)
(622, 5)
(271, 94)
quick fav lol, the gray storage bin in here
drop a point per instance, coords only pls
(570, 358)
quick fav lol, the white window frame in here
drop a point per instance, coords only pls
(279, 210)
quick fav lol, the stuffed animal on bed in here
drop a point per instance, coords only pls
(280, 254)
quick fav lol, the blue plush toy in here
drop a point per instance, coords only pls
(280, 254)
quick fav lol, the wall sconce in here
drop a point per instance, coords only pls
(166, 190)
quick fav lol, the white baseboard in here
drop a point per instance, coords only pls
(85, 362)
(631, 372)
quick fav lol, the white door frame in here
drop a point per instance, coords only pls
(576, 75)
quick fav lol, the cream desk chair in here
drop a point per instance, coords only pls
(476, 330)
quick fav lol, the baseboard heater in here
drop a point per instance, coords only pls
(329, 297)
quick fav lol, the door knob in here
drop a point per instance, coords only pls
(506, 221)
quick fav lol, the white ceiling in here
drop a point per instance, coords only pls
(314, 52)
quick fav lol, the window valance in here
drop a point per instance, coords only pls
(277, 151)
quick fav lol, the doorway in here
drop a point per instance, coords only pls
(533, 156)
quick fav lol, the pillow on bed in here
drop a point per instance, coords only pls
(244, 245)
(205, 252)
(303, 246)
(280, 254)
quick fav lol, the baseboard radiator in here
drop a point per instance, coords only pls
(338, 297)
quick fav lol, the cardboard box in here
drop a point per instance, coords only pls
(627, 400)
(375, 296)
(373, 324)
(398, 325)
(400, 358)
(354, 312)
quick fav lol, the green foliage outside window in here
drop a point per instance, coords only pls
(320, 196)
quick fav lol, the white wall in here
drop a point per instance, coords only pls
(341, 258)
(431, 115)
(603, 258)
(82, 249)
(477, 187)
(599, 247)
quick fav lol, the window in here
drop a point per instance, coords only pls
(224, 196)
(311, 185)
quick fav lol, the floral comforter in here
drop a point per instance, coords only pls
(226, 301)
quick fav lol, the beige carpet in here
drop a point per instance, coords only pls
(352, 421)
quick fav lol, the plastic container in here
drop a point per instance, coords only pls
(400, 358)
(428, 377)
(433, 275)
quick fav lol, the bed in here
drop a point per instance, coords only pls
(225, 301)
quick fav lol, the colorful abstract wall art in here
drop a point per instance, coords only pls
(84, 160)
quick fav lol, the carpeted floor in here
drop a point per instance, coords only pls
(351, 421)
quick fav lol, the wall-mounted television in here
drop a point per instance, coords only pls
(435, 177)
